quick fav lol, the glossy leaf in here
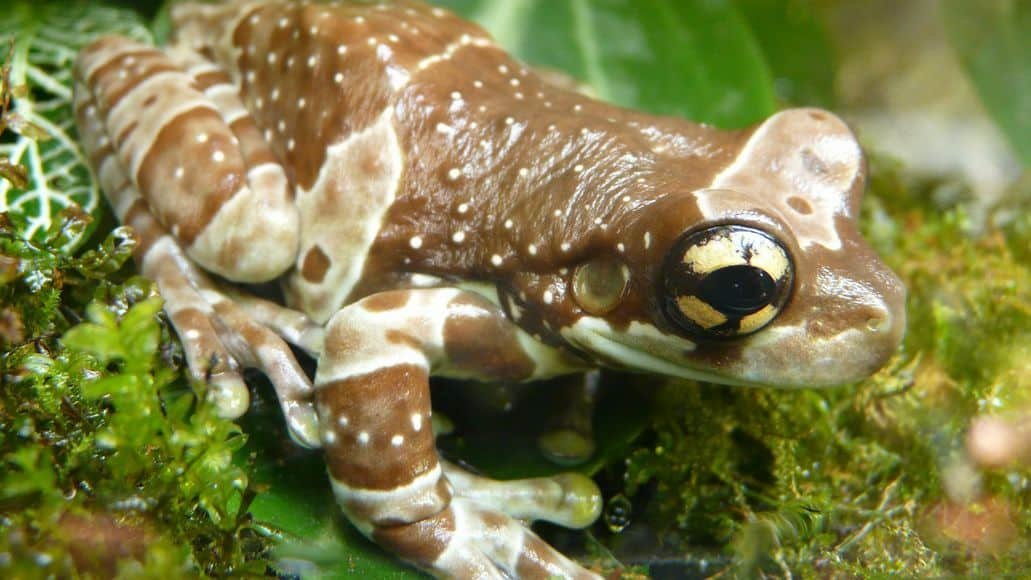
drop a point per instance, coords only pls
(693, 58)
(795, 46)
(993, 41)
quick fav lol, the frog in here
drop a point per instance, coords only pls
(428, 205)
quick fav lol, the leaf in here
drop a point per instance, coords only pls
(47, 38)
(692, 58)
(993, 41)
(796, 48)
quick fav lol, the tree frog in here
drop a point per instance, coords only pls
(431, 206)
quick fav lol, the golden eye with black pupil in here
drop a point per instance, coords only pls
(599, 285)
(726, 281)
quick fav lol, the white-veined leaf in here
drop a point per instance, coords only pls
(47, 39)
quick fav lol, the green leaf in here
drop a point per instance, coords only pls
(796, 47)
(47, 38)
(692, 58)
(993, 41)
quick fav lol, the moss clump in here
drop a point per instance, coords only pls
(111, 462)
(875, 479)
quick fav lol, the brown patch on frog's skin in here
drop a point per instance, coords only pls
(484, 343)
(421, 542)
(380, 405)
(385, 301)
(315, 264)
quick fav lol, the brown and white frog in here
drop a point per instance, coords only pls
(431, 206)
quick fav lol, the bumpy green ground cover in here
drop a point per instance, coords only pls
(113, 464)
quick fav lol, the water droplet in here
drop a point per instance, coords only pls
(617, 513)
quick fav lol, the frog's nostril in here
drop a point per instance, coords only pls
(877, 322)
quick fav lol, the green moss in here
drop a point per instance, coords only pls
(874, 479)
(103, 444)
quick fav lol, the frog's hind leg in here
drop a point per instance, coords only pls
(115, 74)
(374, 413)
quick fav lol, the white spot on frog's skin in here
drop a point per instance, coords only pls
(496, 260)
(548, 297)
(523, 172)
(620, 247)
(268, 135)
(532, 249)
(274, 95)
(626, 199)
(342, 421)
(463, 207)
(342, 49)
(577, 108)
(416, 422)
(359, 20)
(291, 144)
(458, 237)
(312, 61)
(508, 224)
(454, 173)
(456, 96)
(329, 437)
(415, 242)
(445, 129)
(179, 172)
(509, 120)
(397, 440)
(338, 78)
(557, 213)
(502, 69)
(578, 168)
(478, 84)
(564, 246)
(202, 137)
(283, 22)
(218, 156)
(647, 240)
(393, 37)
(271, 58)
(597, 221)
(363, 437)
(514, 82)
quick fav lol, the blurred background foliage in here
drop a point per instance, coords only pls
(112, 463)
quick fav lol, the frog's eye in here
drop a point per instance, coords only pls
(726, 281)
(599, 285)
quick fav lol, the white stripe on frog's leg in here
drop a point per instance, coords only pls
(161, 259)
(374, 408)
(162, 128)
(511, 550)
(358, 183)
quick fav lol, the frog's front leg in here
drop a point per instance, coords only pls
(374, 410)
(182, 163)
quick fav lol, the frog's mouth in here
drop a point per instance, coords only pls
(642, 347)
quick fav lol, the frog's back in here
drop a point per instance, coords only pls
(327, 71)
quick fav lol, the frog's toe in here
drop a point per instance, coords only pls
(568, 499)
(566, 446)
(229, 394)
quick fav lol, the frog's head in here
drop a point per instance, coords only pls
(759, 278)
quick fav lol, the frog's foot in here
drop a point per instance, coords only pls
(570, 441)
(374, 412)
(145, 117)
